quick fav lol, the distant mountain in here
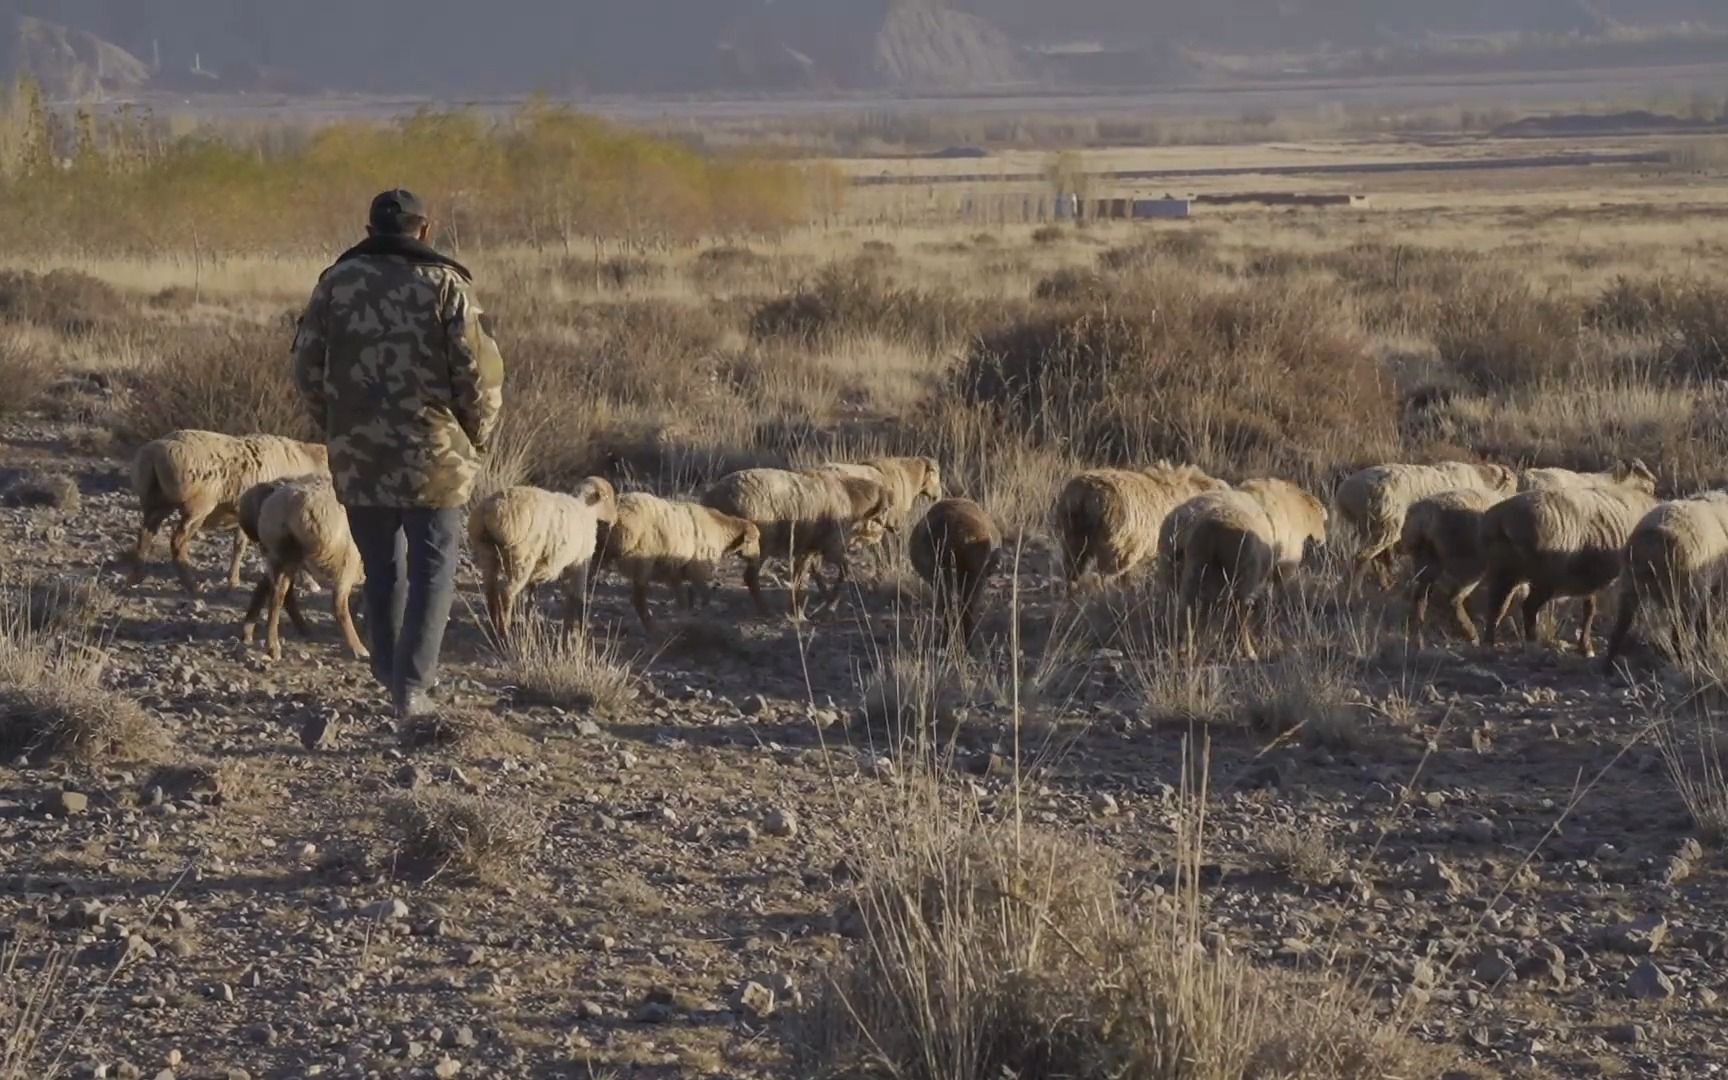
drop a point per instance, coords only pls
(460, 49)
(70, 63)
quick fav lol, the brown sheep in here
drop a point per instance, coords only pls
(1561, 542)
(1371, 504)
(301, 528)
(1442, 536)
(675, 543)
(1108, 519)
(955, 547)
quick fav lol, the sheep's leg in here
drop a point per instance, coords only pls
(1500, 593)
(284, 580)
(294, 615)
(1461, 612)
(345, 621)
(492, 588)
(1586, 645)
(184, 532)
(1537, 599)
(639, 601)
(1244, 616)
(1365, 559)
(154, 519)
(235, 558)
(259, 596)
(1623, 620)
(575, 598)
(1421, 589)
(753, 582)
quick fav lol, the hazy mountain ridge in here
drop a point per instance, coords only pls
(451, 48)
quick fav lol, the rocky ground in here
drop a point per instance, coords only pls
(1494, 854)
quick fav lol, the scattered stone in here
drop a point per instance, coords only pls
(1628, 1034)
(780, 822)
(68, 803)
(1104, 804)
(446, 1068)
(319, 732)
(462, 1038)
(1545, 963)
(1640, 937)
(755, 1001)
(653, 1012)
(1429, 874)
(395, 909)
(1648, 983)
(1476, 830)
(1494, 967)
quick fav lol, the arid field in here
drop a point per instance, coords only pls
(1091, 842)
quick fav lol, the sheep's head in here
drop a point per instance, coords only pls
(598, 492)
(1498, 478)
(1635, 474)
(747, 542)
(932, 488)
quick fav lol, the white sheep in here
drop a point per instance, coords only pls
(1560, 542)
(301, 527)
(201, 475)
(1225, 547)
(1553, 479)
(1442, 537)
(1371, 503)
(905, 479)
(955, 547)
(1676, 558)
(675, 543)
(802, 517)
(1109, 519)
(523, 537)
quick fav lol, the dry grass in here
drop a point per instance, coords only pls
(578, 672)
(463, 838)
(1302, 852)
(52, 701)
(63, 606)
(984, 951)
(30, 994)
(465, 729)
(26, 371)
(235, 380)
(43, 491)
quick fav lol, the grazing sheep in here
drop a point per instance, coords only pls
(905, 479)
(1442, 536)
(523, 537)
(955, 547)
(1561, 542)
(802, 516)
(201, 475)
(1225, 547)
(1372, 502)
(676, 543)
(1555, 479)
(1677, 557)
(301, 527)
(1109, 519)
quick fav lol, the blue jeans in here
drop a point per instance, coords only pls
(410, 558)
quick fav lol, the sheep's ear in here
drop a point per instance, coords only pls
(593, 496)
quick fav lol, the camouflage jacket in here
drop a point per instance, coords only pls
(402, 379)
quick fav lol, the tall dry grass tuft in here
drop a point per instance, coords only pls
(27, 371)
(986, 950)
(30, 995)
(463, 838)
(576, 672)
(234, 380)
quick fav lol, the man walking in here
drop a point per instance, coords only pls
(406, 385)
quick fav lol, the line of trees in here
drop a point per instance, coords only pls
(542, 176)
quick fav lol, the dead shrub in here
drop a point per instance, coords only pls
(64, 606)
(38, 490)
(730, 268)
(985, 952)
(914, 699)
(463, 838)
(1071, 284)
(469, 729)
(1688, 318)
(546, 668)
(1302, 852)
(1049, 234)
(1303, 696)
(857, 298)
(52, 701)
(613, 272)
(236, 381)
(1183, 246)
(1499, 334)
(27, 371)
(1268, 380)
(62, 300)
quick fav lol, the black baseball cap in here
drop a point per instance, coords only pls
(396, 212)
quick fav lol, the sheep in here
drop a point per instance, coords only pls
(955, 547)
(802, 516)
(1561, 542)
(1442, 538)
(677, 543)
(523, 537)
(201, 475)
(905, 479)
(1554, 479)
(1371, 504)
(1677, 557)
(1109, 519)
(301, 526)
(1225, 547)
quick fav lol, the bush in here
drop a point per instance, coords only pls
(62, 300)
(237, 382)
(854, 298)
(1499, 334)
(986, 952)
(463, 838)
(27, 371)
(1072, 283)
(571, 673)
(728, 268)
(1268, 379)
(43, 491)
(52, 702)
(1688, 318)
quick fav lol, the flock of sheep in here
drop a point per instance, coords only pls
(1545, 533)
